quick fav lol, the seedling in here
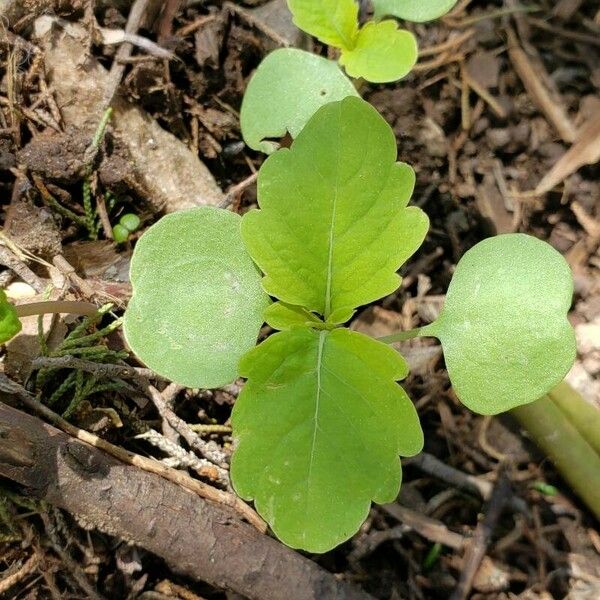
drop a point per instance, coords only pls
(290, 85)
(321, 421)
(128, 224)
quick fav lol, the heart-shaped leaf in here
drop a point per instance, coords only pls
(381, 53)
(334, 228)
(504, 327)
(320, 424)
(10, 324)
(413, 10)
(197, 300)
(334, 22)
(287, 89)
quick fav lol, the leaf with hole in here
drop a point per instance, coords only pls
(504, 327)
(333, 226)
(381, 53)
(413, 10)
(287, 89)
(320, 424)
(197, 300)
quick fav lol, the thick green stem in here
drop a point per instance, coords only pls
(57, 306)
(567, 447)
(582, 414)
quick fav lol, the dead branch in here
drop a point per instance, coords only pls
(195, 537)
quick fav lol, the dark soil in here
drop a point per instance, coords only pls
(475, 155)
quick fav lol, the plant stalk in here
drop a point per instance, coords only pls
(403, 336)
(582, 414)
(571, 450)
(86, 309)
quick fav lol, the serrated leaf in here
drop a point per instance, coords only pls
(287, 89)
(504, 327)
(334, 22)
(10, 324)
(197, 301)
(413, 10)
(381, 53)
(334, 228)
(320, 424)
(285, 316)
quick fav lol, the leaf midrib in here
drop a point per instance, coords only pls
(319, 368)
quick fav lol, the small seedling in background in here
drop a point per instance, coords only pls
(128, 224)
(321, 421)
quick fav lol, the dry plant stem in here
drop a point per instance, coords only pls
(540, 95)
(28, 567)
(555, 434)
(86, 309)
(430, 529)
(463, 481)
(207, 449)
(139, 374)
(136, 15)
(147, 464)
(483, 534)
(8, 259)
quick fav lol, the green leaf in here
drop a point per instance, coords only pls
(287, 89)
(334, 22)
(197, 301)
(382, 53)
(285, 316)
(334, 228)
(504, 327)
(10, 324)
(320, 424)
(413, 10)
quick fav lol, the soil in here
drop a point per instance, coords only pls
(480, 139)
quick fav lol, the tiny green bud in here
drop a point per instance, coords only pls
(130, 221)
(120, 233)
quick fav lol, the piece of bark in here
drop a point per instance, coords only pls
(196, 538)
(565, 9)
(160, 167)
(491, 206)
(537, 83)
(585, 151)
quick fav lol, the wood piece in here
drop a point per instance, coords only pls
(585, 151)
(430, 529)
(147, 464)
(197, 539)
(481, 539)
(540, 95)
(432, 465)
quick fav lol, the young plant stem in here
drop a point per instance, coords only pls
(403, 336)
(581, 413)
(557, 434)
(86, 309)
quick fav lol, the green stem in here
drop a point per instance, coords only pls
(581, 413)
(403, 336)
(57, 306)
(554, 432)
